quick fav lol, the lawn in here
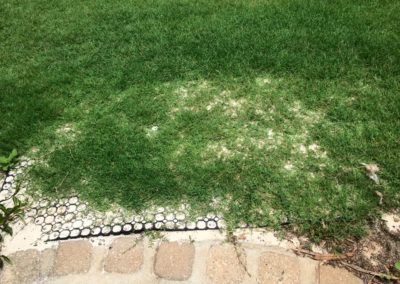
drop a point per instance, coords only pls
(265, 109)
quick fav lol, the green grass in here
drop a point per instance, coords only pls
(268, 107)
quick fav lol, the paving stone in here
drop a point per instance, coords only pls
(61, 210)
(9, 179)
(98, 222)
(148, 226)
(333, 275)
(42, 211)
(44, 203)
(59, 219)
(54, 236)
(138, 218)
(174, 260)
(77, 224)
(67, 226)
(392, 223)
(75, 233)
(57, 227)
(128, 219)
(180, 225)
(73, 257)
(169, 225)
(124, 256)
(96, 231)
(225, 264)
(46, 228)
(72, 208)
(49, 219)
(39, 220)
(64, 234)
(159, 225)
(309, 270)
(191, 225)
(51, 210)
(117, 229)
(6, 186)
(127, 228)
(201, 225)
(180, 216)
(46, 263)
(159, 217)
(211, 224)
(24, 268)
(87, 223)
(106, 230)
(138, 227)
(85, 232)
(69, 217)
(7, 275)
(73, 200)
(170, 217)
(278, 268)
(118, 220)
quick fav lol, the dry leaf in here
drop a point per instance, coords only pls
(371, 170)
(242, 237)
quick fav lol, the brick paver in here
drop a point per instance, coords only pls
(274, 268)
(24, 268)
(129, 260)
(124, 256)
(73, 257)
(334, 275)
(225, 264)
(46, 263)
(174, 260)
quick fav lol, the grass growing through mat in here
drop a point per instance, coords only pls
(267, 106)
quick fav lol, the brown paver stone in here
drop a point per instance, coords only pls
(278, 268)
(225, 264)
(124, 256)
(24, 268)
(7, 275)
(73, 257)
(333, 275)
(47, 258)
(174, 261)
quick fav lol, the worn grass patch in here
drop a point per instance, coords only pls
(264, 109)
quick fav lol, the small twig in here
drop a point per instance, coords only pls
(359, 269)
(371, 279)
(340, 258)
(324, 257)
(58, 186)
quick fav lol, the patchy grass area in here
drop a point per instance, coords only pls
(263, 108)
